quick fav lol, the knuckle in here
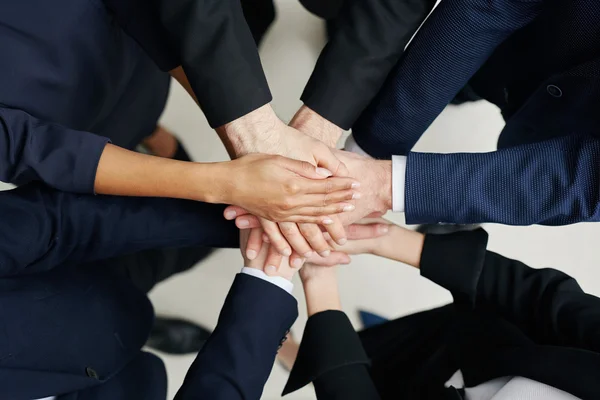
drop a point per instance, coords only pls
(289, 229)
(291, 187)
(329, 187)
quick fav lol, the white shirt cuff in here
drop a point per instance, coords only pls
(275, 280)
(398, 183)
(398, 174)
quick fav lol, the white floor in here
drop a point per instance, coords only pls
(388, 288)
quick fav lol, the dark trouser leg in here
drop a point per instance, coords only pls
(409, 354)
(148, 268)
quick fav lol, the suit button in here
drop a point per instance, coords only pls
(91, 373)
(554, 91)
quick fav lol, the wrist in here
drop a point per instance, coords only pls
(312, 124)
(244, 135)
(383, 173)
(321, 294)
(209, 182)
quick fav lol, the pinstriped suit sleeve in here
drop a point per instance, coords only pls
(556, 182)
(451, 46)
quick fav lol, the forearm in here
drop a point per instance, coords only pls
(400, 244)
(127, 173)
(322, 293)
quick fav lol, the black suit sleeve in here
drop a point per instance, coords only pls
(332, 357)
(218, 54)
(546, 304)
(211, 40)
(369, 38)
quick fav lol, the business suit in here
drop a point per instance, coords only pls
(73, 324)
(539, 62)
(507, 319)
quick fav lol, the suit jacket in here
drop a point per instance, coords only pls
(536, 64)
(73, 327)
(507, 319)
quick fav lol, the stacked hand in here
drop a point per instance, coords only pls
(262, 132)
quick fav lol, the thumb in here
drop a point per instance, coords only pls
(307, 170)
(232, 212)
(326, 159)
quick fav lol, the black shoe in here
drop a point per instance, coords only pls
(177, 336)
(444, 229)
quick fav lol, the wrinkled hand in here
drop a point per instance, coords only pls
(281, 189)
(376, 185)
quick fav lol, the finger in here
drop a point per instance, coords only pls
(318, 215)
(357, 232)
(247, 222)
(233, 212)
(297, 261)
(330, 185)
(336, 231)
(313, 235)
(255, 243)
(276, 239)
(272, 262)
(326, 159)
(305, 169)
(335, 258)
(292, 234)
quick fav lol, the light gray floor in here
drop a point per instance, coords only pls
(388, 288)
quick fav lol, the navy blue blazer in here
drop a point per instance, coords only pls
(74, 328)
(543, 70)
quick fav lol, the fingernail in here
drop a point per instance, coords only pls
(342, 241)
(251, 254)
(355, 185)
(286, 252)
(383, 229)
(230, 214)
(270, 269)
(325, 253)
(327, 221)
(297, 263)
(242, 223)
(308, 254)
(349, 207)
(355, 196)
(324, 172)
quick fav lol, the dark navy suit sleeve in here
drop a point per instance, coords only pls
(43, 228)
(368, 39)
(237, 359)
(34, 150)
(550, 183)
(450, 47)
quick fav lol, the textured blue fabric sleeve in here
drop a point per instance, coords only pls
(34, 150)
(450, 47)
(556, 182)
(237, 359)
(43, 228)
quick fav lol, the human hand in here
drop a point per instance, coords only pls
(312, 124)
(376, 185)
(258, 259)
(262, 132)
(281, 189)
